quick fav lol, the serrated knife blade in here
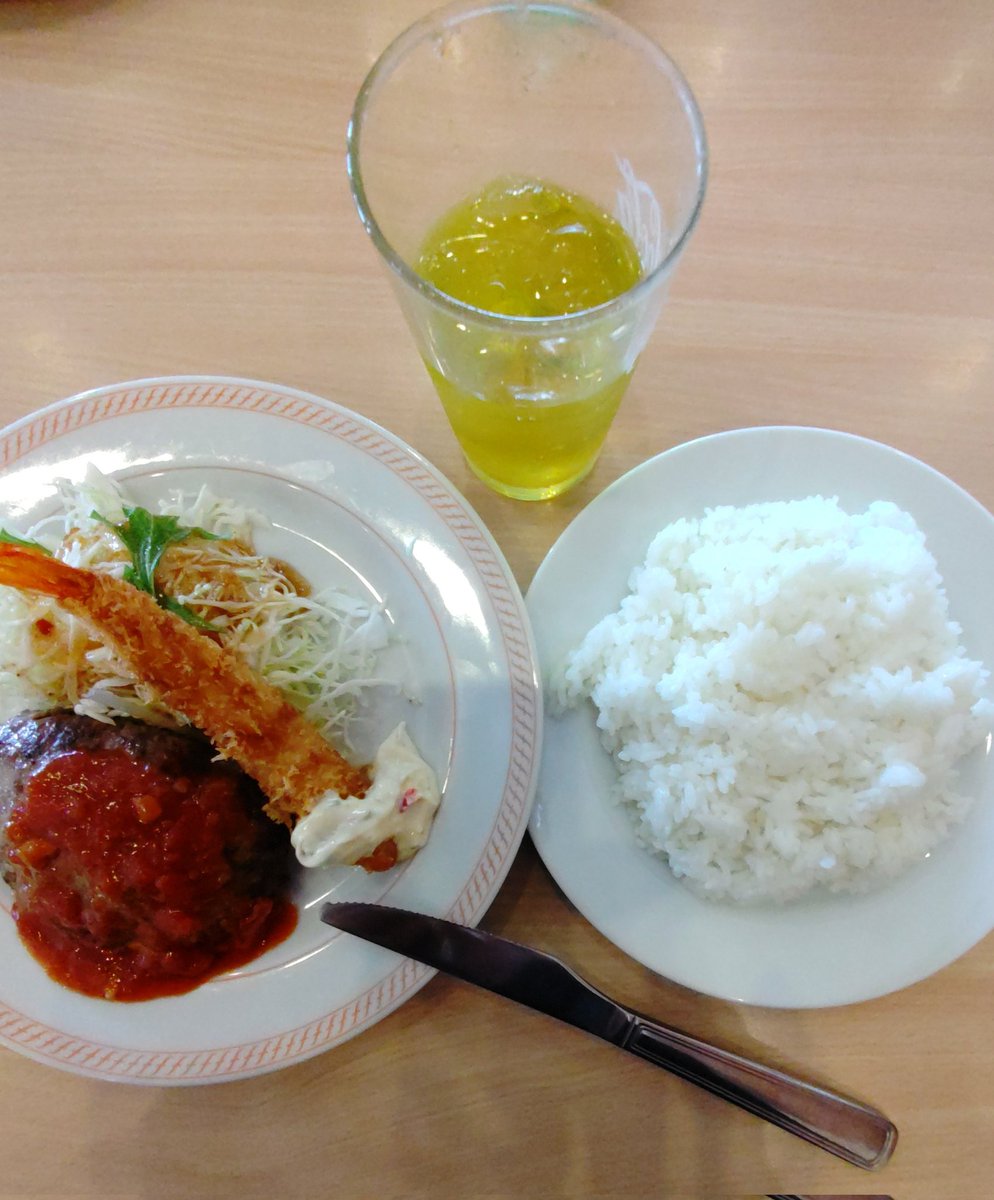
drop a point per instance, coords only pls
(853, 1131)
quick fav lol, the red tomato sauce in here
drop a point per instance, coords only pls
(132, 883)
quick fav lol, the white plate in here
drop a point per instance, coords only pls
(351, 506)
(823, 950)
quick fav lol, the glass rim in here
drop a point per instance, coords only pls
(463, 10)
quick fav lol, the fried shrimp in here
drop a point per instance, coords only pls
(245, 717)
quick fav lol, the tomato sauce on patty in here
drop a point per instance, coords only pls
(135, 879)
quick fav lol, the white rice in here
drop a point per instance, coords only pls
(786, 698)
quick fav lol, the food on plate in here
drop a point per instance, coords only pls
(786, 698)
(393, 814)
(164, 621)
(130, 640)
(320, 649)
(139, 866)
(245, 717)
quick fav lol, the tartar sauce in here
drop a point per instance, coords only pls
(400, 804)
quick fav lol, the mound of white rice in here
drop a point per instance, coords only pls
(786, 698)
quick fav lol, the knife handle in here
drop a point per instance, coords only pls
(859, 1134)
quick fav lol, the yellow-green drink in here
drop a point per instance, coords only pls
(537, 408)
(529, 172)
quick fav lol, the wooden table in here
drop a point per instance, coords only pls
(173, 200)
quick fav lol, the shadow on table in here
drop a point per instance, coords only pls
(37, 14)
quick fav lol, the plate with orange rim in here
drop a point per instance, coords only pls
(350, 506)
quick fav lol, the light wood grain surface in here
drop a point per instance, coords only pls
(173, 200)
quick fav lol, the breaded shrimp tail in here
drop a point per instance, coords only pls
(245, 717)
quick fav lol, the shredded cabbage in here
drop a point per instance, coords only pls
(320, 650)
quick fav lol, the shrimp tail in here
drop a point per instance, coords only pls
(35, 571)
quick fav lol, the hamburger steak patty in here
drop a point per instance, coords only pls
(28, 743)
(139, 866)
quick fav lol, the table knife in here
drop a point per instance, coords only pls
(855, 1132)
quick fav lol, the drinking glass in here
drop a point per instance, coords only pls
(559, 91)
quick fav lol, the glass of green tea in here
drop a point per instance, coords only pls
(530, 172)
